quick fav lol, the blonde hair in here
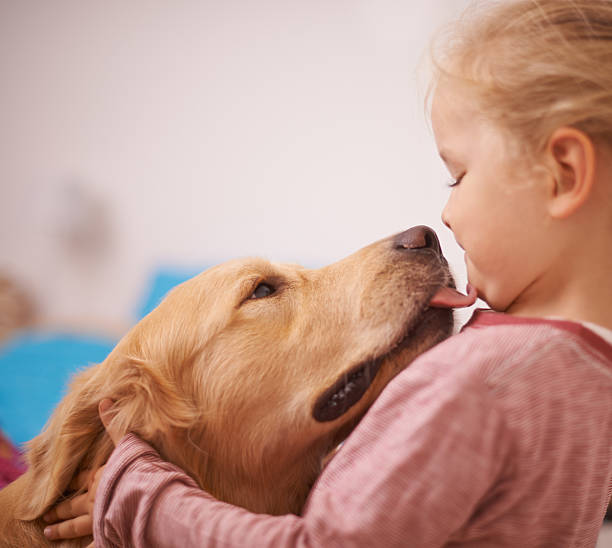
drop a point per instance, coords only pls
(533, 65)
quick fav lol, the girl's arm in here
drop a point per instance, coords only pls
(143, 501)
(411, 473)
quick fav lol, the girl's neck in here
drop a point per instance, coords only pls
(584, 298)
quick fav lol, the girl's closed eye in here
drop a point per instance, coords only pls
(455, 181)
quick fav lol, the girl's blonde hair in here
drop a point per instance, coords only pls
(533, 65)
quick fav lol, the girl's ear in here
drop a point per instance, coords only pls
(571, 154)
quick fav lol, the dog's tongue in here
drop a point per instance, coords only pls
(447, 297)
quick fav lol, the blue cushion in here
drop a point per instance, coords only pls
(36, 368)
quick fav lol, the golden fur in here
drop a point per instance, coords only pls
(225, 386)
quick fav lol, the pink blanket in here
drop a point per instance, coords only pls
(11, 462)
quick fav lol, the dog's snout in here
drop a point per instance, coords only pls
(418, 237)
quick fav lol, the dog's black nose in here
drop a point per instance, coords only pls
(418, 237)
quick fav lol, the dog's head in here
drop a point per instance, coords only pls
(246, 375)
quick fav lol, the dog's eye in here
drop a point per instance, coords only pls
(261, 291)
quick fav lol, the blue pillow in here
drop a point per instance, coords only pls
(36, 368)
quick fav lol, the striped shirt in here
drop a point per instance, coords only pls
(500, 436)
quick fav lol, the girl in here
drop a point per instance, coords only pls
(501, 435)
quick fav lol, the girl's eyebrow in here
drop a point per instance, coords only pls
(444, 156)
(448, 159)
(451, 165)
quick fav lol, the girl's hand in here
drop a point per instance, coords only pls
(74, 518)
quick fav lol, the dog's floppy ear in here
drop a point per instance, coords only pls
(55, 454)
(149, 403)
(74, 439)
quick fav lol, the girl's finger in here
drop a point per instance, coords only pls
(71, 508)
(72, 528)
(81, 480)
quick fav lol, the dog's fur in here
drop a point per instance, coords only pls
(225, 385)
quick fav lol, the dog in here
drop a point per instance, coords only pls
(245, 376)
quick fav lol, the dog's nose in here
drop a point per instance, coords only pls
(418, 237)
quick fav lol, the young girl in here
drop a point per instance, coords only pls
(501, 435)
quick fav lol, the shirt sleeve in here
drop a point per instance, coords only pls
(411, 474)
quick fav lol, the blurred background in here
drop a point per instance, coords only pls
(139, 135)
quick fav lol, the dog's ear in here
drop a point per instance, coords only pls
(149, 402)
(145, 402)
(55, 454)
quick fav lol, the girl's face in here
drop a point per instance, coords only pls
(496, 209)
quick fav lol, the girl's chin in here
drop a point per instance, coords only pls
(479, 289)
(493, 301)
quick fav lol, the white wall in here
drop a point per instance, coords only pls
(186, 133)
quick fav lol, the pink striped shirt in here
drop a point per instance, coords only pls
(499, 436)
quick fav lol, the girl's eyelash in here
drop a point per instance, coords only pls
(455, 182)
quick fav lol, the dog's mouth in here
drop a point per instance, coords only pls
(353, 384)
(346, 391)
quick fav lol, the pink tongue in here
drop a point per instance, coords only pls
(447, 297)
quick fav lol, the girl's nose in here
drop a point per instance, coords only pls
(446, 215)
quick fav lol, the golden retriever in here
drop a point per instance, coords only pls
(245, 376)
